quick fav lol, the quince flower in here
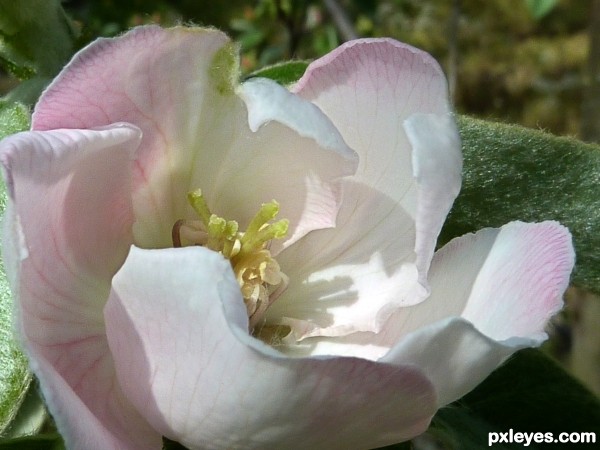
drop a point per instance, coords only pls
(245, 266)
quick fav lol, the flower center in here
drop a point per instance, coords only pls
(258, 274)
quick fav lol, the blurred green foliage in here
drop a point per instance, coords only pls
(520, 61)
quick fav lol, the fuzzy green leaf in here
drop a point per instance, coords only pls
(14, 375)
(514, 173)
(14, 117)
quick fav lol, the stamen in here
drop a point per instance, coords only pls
(257, 272)
(197, 201)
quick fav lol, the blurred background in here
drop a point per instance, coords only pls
(521, 61)
(530, 62)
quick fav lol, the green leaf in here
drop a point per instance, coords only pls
(284, 73)
(31, 417)
(514, 173)
(540, 8)
(530, 393)
(458, 428)
(14, 375)
(51, 441)
(14, 117)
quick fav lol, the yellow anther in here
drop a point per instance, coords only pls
(268, 211)
(258, 274)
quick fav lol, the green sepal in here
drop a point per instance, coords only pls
(515, 173)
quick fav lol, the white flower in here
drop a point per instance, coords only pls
(356, 335)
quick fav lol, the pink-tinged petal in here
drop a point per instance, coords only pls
(369, 88)
(88, 406)
(75, 226)
(504, 284)
(393, 207)
(160, 81)
(507, 281)
(179, 87)
(69, 231)
(178, 330)
(522, 282)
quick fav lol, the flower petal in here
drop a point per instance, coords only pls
(85, 400)
(133, 79)
(179, 87)
(267, 103)
(505, 283)
(516, 295)
(177, 327)
(454, 355)
(377, 257)
(368, 88)
(437, 165)
(70, 230)
(508, 282)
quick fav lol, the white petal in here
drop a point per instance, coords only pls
(352, 278)
(522, 282)
(437, 165)
(177, 327)
(508, 282)
(454, 355)
(267, 101)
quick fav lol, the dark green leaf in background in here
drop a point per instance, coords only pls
(530, 393)
(171, 445)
